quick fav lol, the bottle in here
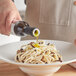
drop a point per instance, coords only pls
(22, 28)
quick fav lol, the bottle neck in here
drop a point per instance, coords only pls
(29, 30)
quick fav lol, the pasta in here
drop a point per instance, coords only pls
(38, 53)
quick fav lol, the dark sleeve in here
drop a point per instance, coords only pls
(13, 0)
(25, 1)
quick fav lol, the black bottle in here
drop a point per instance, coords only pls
(22, 28)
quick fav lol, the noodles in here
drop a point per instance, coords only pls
(38, 53)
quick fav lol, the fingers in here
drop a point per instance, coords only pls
(9, 19)
(14, 21)
(3, 25)
(3, 30)
(19, 17)
(8, 13)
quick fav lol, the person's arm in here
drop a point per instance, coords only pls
(8, 13)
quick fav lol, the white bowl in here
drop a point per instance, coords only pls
(40, 71)
(67, 50)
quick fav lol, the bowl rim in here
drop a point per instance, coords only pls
(25, 64)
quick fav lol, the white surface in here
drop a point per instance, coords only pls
(8, 39)
(67, 50)
(20, 4)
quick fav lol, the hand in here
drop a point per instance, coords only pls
(8, 13)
